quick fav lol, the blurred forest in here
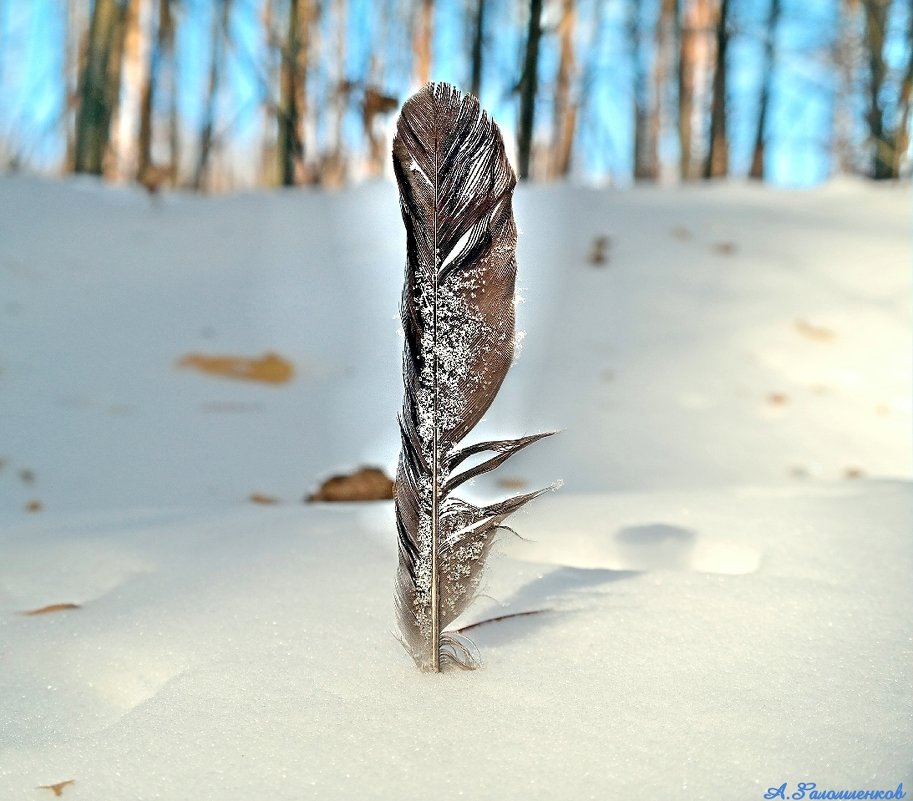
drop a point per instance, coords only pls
(221, 94)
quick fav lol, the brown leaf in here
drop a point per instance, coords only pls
(852, 473)
(57, 789)
(816, 333)
(44, 610)
(34, 505)
(365, 484)
(266, 500)
(269, 368)
(513, 483)
(599, 253)
(778, 399)
(725, 248)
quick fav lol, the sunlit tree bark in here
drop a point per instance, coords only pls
(686, 67)
(565, 107)
(421, 42)
(134, 78)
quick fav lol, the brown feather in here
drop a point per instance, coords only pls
(455, 185)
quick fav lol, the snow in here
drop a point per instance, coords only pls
(724, 579)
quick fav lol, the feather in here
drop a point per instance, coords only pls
(455, 186)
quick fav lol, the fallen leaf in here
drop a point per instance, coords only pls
(57, 789)
(266, 500)
(365, 484)
(45, 610)
(852, 473)
(154, 177)
(599, 253)
(816, 333)
(34, 505)
(512, 483)
(777, 399)
(269, 368)
(725, 248)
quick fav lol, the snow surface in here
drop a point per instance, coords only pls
(725, 577)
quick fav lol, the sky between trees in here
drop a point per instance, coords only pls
(224, 94)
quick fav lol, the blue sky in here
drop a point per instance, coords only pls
(804, 80)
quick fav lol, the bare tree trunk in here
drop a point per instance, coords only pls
(169, 57)
(421, 43)
(529, 88)
(876, 17)
(665, 47)
(269, 164)
(847, 57)
(686, 63)
(645, 146)
(159, 80)
(333, 165)
(219, 31)
(478, 41)
(565, 109)
(126, 135)
(310, 58)
(767, 67)
(293, 93)
(99, 84)
(147, 99)
(717, 164)
(902, 136)
(115, 81)
(73, 67)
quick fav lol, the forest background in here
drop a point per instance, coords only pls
(220, 95)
